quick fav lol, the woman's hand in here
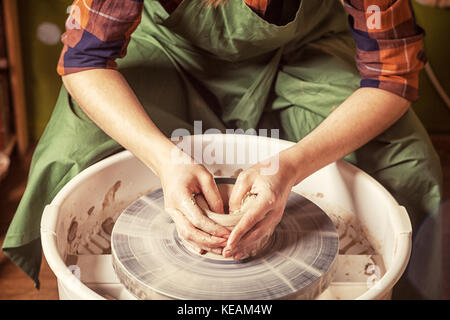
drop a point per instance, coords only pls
(262, 198)
(180, 182)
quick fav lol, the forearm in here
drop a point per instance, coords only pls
(105, 96)
(364, 115)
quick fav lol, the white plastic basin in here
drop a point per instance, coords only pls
(375, 232)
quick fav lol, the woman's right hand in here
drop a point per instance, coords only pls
(180, 183)
(135, 131)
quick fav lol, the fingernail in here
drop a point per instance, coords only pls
(237, 256)
(226, 252)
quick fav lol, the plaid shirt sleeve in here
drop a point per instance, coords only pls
(389, 45)
(97, 33)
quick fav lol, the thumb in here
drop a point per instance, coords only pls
(211, 193)
(242, 186)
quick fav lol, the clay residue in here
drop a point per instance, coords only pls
(352, 239)
(71, 260)
(91, 209)
(72, 231)
(375, 244)
(111, 195)
(96, 221)
(366, 269)
(108, 225)
(352, 235)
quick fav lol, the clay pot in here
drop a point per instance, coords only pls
(227, 219)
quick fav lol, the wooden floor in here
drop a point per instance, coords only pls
(14, 284)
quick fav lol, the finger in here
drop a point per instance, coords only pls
(201, 202)
(195, 215)
(189, 232)
(211, 193)
(257, 208)
(252, 249)
(194, 247)
(256, 236)
(204, 239)
(203, 249)
(246, 252)
(240, 189)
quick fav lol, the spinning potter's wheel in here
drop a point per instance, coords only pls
(149, 257)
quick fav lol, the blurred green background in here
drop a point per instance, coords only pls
(42, 83)
(42, 21)
(430, 107)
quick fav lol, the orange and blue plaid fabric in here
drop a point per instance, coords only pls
(389, 43)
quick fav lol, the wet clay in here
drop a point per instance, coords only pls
(228, 219)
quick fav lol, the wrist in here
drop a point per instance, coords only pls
(158, 155)
(295, 163)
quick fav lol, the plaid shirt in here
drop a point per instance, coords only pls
(389, 43)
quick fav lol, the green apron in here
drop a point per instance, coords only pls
(230, 68)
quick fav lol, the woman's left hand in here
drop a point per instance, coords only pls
(265, 199)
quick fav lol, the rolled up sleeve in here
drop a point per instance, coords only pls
(97, 33)
(389, 44)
